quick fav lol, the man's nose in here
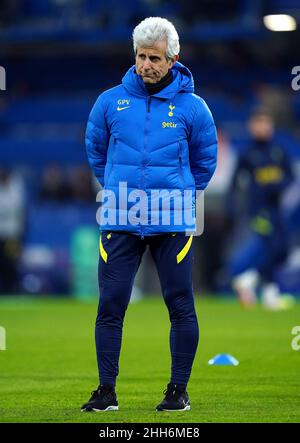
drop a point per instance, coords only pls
(147, 63)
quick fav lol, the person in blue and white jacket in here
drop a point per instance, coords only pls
(152, 144)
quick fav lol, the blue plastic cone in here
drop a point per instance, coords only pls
(223, 359)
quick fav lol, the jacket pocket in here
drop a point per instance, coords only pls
(112, 159)
(180, 164)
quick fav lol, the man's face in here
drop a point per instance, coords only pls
(261, 127)
(151, 62)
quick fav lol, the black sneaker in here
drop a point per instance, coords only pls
(176, 399)
(103, 399)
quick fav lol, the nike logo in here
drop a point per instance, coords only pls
(121, 109)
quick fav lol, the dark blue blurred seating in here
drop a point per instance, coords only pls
(52, 224)
(47, 109)
(38, 153)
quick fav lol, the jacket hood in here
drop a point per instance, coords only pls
(182, 82)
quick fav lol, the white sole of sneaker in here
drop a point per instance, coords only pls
(109, 408)
(187, 408)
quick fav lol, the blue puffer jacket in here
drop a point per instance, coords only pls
(138, 145)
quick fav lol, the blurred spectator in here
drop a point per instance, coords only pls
(54, 186)
(11, 229)
(75, 185)
(267, 173)
(216, 223)
(81, 185)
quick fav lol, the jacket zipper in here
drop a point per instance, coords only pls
(144, 153)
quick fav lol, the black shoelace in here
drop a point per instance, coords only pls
(101, 390)
(173, 393)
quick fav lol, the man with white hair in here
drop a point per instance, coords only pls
(150, 134)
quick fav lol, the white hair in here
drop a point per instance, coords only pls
(155, 29)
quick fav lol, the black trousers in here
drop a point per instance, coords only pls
(120, 257)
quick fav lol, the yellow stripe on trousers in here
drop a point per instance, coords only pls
(184, 250)
(103, 253)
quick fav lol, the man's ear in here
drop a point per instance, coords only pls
(174, 59)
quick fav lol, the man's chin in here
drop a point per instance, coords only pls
(149, 80)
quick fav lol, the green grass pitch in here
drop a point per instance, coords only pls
(49, 367)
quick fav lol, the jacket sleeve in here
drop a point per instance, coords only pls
(202, 145)
(96, 139)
